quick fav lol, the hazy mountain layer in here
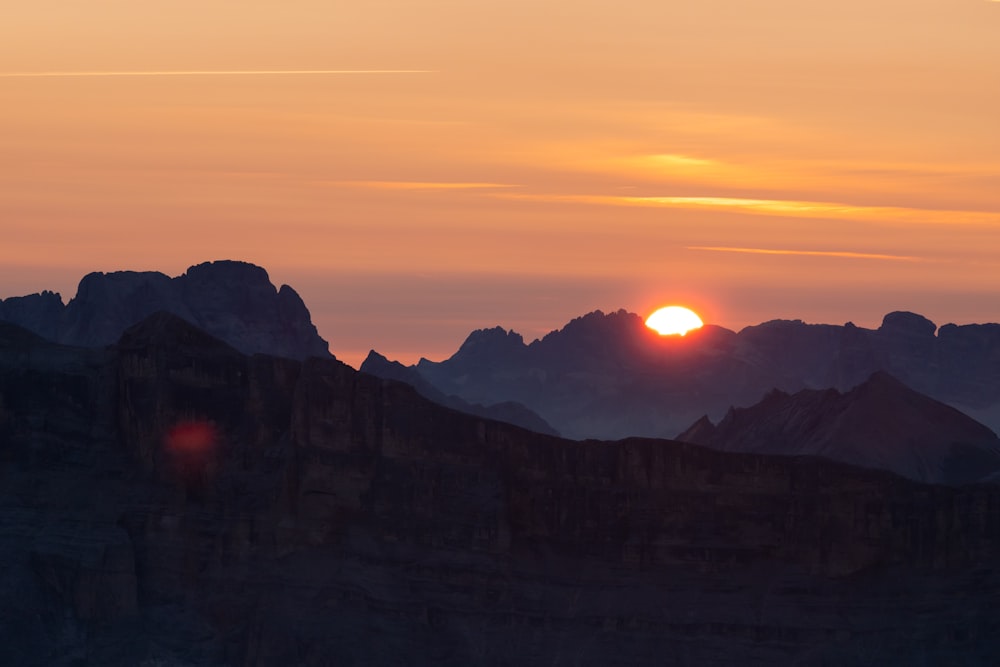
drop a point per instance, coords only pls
(171, 501)
(509, 411)
(881, 423)
(607, 375)
(232, 300)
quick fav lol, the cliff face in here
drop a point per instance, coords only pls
(172, 501)
(234, 301)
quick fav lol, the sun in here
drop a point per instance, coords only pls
(674, 320)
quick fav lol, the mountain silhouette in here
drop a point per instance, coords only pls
(234, 301)
(609, 376)
(314, 514)
(881, 423)
(510, 411)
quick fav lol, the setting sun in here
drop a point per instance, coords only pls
(674, 320)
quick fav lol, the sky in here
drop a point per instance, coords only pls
(418, 170)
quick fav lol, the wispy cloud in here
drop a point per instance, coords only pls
(239, 72)
(810, 253)
(419, 185)
(781, 207)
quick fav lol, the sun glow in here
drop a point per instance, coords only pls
(674, 320)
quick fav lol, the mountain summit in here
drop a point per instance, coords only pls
(234, 301)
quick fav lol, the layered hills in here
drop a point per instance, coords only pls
(234, 301)
(608, 376)
(170, 500)
(881, 423)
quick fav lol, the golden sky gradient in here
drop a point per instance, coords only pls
(418, 170)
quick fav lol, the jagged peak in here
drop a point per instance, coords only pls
(377, 362)
(496, 339)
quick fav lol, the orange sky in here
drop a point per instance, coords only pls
(523, 162)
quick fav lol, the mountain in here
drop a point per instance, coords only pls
(169, 500)
(608, 376)
(232, 300)
(881, 423)
(509, 411)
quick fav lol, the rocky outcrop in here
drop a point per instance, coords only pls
(881, 423)
(173, 501)
(232, 300)
(608, 376)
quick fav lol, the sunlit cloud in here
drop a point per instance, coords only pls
(260, 72)
(419, 185)
(780, 207)
(810, 253)
(683, 161)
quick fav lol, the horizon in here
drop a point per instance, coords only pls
(418, 172)
(354, 356)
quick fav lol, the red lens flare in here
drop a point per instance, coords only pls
(192, 437)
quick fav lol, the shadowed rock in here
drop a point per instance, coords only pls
(878, 424)
(335, 517)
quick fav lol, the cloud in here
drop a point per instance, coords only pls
(810, 253)
(781, 207)
(261, 72)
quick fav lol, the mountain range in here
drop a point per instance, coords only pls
(609, 376)
(170, 500)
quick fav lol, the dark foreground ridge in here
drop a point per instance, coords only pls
(234, 301)
(171, 501)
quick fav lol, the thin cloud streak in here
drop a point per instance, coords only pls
(262, 72)
(781, 207)
(809, 253)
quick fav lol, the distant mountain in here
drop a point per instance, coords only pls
(168, 500)
(510, 411)
(609, 376)
(881, 423)
(234, 301)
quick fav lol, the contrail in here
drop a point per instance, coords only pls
(238, 72)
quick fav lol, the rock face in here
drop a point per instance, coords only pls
(608, 376)
(881, 423)
(171, 501)
(232, 300)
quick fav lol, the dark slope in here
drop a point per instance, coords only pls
(606, 375)
(881, 423)
(509, 411)
(325, 516)
(232, 300)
